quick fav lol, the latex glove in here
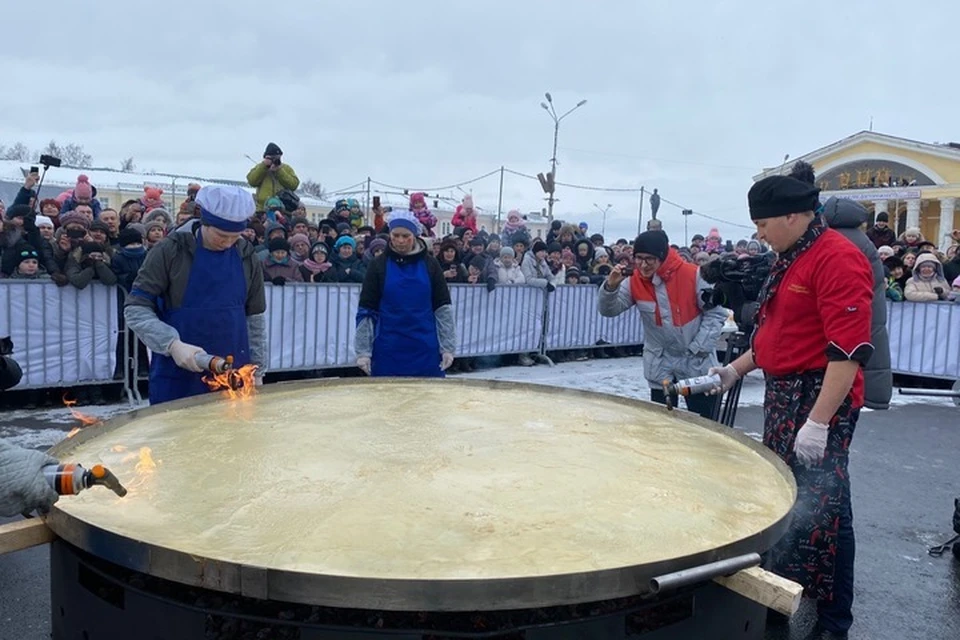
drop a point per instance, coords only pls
(185, 355)
(446, 361)
(811, 443)
(728, 378)
(22, 485)
(364, 363)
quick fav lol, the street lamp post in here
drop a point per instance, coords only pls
(548, 107)
(603, 225)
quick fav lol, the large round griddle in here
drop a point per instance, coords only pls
(423, 495)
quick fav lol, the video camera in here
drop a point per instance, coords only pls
(736, 286)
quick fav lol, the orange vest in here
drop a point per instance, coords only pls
(680, 280)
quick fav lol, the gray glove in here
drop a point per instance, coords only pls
(22, 485)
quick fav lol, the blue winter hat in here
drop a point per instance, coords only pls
(404, 220)
(342, 240)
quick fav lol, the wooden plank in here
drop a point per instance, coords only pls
(769, 589)
(23, 534)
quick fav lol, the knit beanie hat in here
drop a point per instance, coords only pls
(299, 237)
(83, 189)
(129, 236)
(44, 221)
(272, 150)
(18, 211)
(539, 245)
(319, 246)
(654, 243)
(97, 225)
(27, 252)
(342, 240)
(554, 247)
(278, 244)
(508, 252)
(883, 217)
(478, 262)
(378, 244)
(74, 218)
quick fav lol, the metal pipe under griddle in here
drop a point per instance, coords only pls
(703, 573)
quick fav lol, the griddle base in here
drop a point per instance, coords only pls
(95, 600)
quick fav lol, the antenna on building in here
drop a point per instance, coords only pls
(871, 123)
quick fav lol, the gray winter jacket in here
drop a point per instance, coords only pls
(846, 216)
(669, 351)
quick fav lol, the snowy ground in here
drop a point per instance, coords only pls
(618, 376)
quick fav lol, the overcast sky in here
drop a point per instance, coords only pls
(691, 97)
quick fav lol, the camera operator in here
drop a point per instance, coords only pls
(812, 340)
(680, 334)
(22, 485)
(271, 176)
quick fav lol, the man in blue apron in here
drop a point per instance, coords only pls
(200, 291)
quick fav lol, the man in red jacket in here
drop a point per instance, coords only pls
(812, 340)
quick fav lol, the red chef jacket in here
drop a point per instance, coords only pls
(821, 312)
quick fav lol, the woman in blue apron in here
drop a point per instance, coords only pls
(405, 325)
(196, 293)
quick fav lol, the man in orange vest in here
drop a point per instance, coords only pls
(679, 334)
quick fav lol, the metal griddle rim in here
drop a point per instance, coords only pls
(398, 594)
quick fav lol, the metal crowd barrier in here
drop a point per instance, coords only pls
(65, 337)
(925, 338)
(573, 321)
(62, 336)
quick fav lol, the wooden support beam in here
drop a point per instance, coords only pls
(769, 589)
(23, 534)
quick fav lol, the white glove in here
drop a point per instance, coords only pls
(364, 363)
(728, 378)
(811, 443)
(446, 360)
(185, 355)
(22, 485)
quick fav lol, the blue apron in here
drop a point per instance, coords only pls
(213, 316)
(406, 344)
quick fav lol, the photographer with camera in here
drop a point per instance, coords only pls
(812, 340)
(680, 332)
(271, 177)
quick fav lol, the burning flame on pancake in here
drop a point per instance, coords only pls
(146, 467)
(85, 420)
(238, 383)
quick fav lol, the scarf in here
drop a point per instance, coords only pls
(783, 263)
(316, 267)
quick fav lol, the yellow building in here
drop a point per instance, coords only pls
(916, 183)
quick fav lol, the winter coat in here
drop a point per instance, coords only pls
(350, 270)
(81, 272)
(679, 335)
(289, 270)
(509, 275)
(880, 237)
(461, 220)
(951, 269)
(846, 216)
(538, 273)
(126, 264)
(70, 204)
(920, 290)
(461, 271)
(270, 183)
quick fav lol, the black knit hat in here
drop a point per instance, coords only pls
(479, 262)
(18, 211)
(654, 243)
(272, 150)
(893, 262)
(554, 247)
(477, 242)
(538, 245)
(883, 217)
(278, 244)
(777, 196)
(129, 236)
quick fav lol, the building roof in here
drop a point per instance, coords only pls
(103, 178)
(950, 151)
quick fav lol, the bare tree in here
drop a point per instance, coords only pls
(313, 188)
(53, 149)
(127, 164)
(18, 151)
(75, 156)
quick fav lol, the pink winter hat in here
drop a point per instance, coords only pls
(468, 202)
(83, 189)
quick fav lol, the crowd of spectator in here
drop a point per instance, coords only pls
(72, 240)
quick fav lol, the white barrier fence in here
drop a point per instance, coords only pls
(65, 337)
(925, 338)
(573, 321)
(62, 336)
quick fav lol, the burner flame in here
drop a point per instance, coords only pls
(84, 419)
(238, 383)
(146, 464)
